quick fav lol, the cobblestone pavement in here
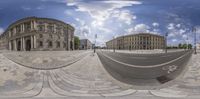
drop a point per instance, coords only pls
(86, 78)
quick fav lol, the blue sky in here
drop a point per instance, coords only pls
(112, 17)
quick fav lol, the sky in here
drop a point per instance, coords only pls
(112, 18)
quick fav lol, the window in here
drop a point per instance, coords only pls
(58, 37)
(50, 44)
(40, 44)
(41, 36)
(64, 44)
(50, 36)
(58, 44)
(41, 27)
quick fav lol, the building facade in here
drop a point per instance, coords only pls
(141, 41)
(35, 33)
(85, 44)
(198, 46)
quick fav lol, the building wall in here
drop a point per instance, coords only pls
(198, 46)
(137, 41)
(85, 44)
(34, 33)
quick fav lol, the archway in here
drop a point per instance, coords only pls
(28, 45)
(18, 45)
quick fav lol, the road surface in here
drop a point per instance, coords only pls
(144, 67)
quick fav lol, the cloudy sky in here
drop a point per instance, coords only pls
(112, 18)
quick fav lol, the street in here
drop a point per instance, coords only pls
(149, 68)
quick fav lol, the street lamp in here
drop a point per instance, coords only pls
(113, 43)
(95, 43)
(166, 42)
(195, 40)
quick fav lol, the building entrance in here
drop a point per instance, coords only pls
(19, 46)
(28, 45)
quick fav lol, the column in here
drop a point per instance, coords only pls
(9, 45)
(34, 25)
(34, 39)
(45, 27)
(15, 45)
(31, 25)
(14, 31)
(31, 42)
(21, 43)
(54, 27)
(23, 27)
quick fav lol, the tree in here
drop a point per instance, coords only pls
(76, 42)
(184, 46)
(189, 46)
(180, 46)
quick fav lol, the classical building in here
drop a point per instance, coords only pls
(198, 46)
(141, 41)
(35, 33)
(85, 44)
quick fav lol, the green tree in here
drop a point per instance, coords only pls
(184, 46)
(189, 46)
(180, 46)
(76, 42)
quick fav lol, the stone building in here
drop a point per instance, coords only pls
(198, 46)
(85, 44)
(141, 41)
(35, 33)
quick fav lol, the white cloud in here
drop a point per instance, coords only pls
(155, 24)
(170, 26)
(40, 7)
(174, 40)
(80, 21)
(139, 28)
(124, 16)
(1, 30)
(178, 25)
(142, 28)
(26, 8)
(102, 10)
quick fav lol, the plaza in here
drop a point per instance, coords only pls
(81, 74)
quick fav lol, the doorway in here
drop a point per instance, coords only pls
(19, 45)
(28, 45)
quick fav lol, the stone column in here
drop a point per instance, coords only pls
(9, 34)
(34, 25)
(68, 41)
(23, 27)
(32, 42)
(15, 44)
(14, 31)
(9, 45)
(21, 44)
(45, 27)
(54, 27)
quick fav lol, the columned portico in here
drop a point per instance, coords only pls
(32, 33)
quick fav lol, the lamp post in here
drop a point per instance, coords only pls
(166, 42)
(113, 43)
(95, 43)
(195, 40)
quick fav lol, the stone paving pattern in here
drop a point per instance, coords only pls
(86, 77)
